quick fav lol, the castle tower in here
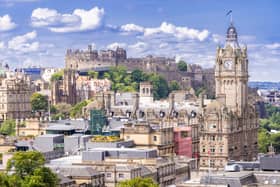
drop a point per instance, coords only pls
(231, 72)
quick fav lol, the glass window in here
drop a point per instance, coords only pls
(155, 138)
(184, 134)
(108, 175)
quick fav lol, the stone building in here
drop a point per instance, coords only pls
(15, 93)
(90, 59)
(229, 123)
(64, 91)
(146, 135)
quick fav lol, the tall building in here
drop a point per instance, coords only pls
(64, 91)
(229, 123)
(15, 93)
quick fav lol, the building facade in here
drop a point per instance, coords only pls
(145, 135)
(15, 93)
(64, 91)
(230, 122)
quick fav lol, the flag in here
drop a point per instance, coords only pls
(229, 12)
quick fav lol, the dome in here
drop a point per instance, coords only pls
(231, 33)
(231, 37)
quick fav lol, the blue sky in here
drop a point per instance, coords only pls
(38, 32)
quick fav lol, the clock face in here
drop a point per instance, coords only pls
(228, 64)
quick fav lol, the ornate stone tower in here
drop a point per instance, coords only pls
(229, 128)
(231, 72)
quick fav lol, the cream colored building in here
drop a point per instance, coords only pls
(147, 135)
(15, 93)
(31, 127)
(229, 123)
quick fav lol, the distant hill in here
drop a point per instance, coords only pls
(265, 85)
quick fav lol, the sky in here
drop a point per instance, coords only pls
(38, 32)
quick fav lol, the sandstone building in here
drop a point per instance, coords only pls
(64, 91)
(15, 93)
(229, 123)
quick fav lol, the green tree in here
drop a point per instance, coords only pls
(275, 140)
(120, 79)
(138, 182)
(138, 76)
(263, 140)
(28, 170)
(39, 102)
(199, 91)
(270, 109)
(182, 66)
(57, 76)
(77, 110)
(24, 163)
(62, 110)
(160, 86)
(174, 85)
(93, 74)
(8, 127)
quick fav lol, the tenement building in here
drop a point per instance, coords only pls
(15, 93)
(230, 122)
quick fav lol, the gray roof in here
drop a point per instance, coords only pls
(50, 135)
(61, 127)
(64, 180)
(77, 171)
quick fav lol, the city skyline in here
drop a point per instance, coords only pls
(38, 32)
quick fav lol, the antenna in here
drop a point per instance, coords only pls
(230, 13)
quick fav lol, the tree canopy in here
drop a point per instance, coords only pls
(182, 65)
(61, 110)
(160, 86)
(8, 127)
(77, 110)
(120, 79)
(57, 76)
(138, 182)
(265, 135)
(39, 102)
(124, 81)
(93, 74)
(28, 171)
(174, 85)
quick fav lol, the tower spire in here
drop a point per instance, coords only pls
(230, 13)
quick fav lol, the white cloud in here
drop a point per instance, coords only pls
(115, 45)
(6, 23)
(139, 47)
(167, 29)
(163, 45)
(24, 43)
(131, 28)
(273, 46)
(79, 20)
(2, 45)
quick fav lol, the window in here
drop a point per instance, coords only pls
(108, 175)
(155, 138)
(212, 149)
(212, 163)
(184, 134)
(212, 138)
(121, 175)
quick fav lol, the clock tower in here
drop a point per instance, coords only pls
(231, 72)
